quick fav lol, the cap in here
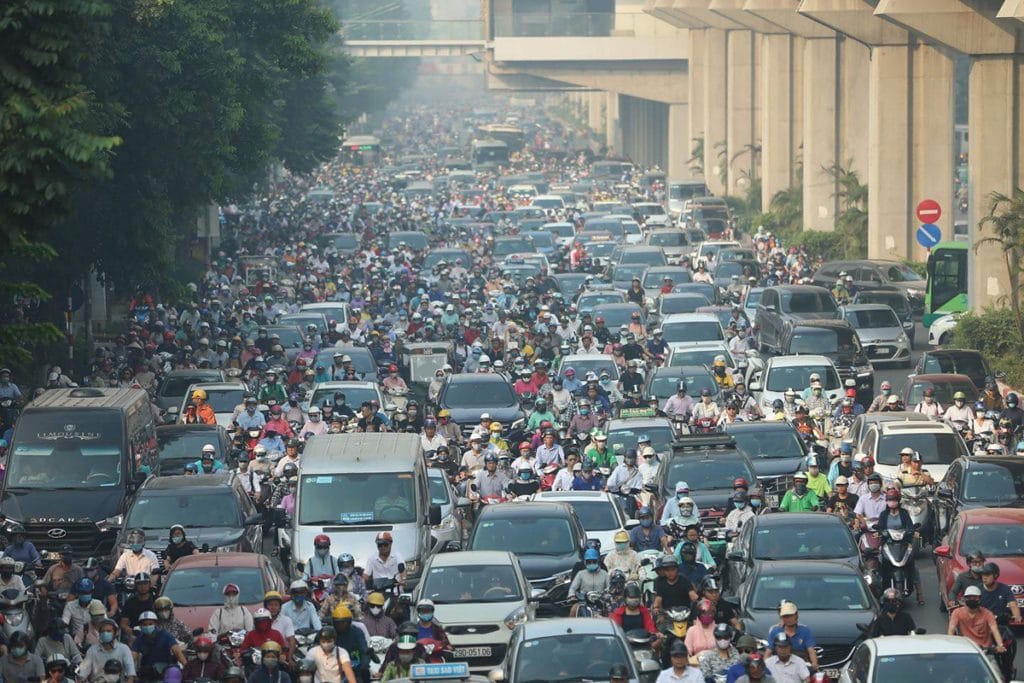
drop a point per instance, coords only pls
(972, 591)
(842, 481)
(787, 608)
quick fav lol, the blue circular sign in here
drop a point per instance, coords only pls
(928, 235)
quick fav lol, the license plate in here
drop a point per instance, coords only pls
(466, 652)
(833, 674)
(1020, 602)
(883, 350)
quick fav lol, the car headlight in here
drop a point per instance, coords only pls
(563, 577)
(914, 292)
(903, 339)
(446, 523)
(515, 617)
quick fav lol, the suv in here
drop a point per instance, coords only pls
(709, 464)
(793, 372)
(214, 509)
(547, 538)
(784, 303)
(938, 443)
(960, 361)
(876, 274)
(836, 340)
(468, 396)
(979, 482)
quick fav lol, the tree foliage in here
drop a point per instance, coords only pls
(1004, 225)
(852, 220)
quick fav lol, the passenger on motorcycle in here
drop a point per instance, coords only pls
(701, 636)
(915, 476)
(623, 558)
(591, 578)
(269, 670)
(632, 615)
(525, 483)
(56, 641)
(971, 577)
(799, 498)
(681, 509)
(928, 405)
(718, 660)
(164, 608)
(648, 535)
(155, 648)
(707, 409)
(976, 623)
(231, 616)
(626, 476)
(341, 594)
(691, 555)
(109, 649)
(740, 513)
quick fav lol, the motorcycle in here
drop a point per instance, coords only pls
(647, 574)
(379, 647)
(305, 639)
(897, 553)
(917, 501)
(705, 425)
(594, 604)
(230, 643)
(14, 606)
(676, 622)
(628, 500)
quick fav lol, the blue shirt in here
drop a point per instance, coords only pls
(26, 553)
(254, 421)
(802, 640)
(581, 484)
(155, 649)
(303, 616)
(640, 542)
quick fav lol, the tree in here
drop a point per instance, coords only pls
(1005, 221)
(696, 159)
(852, 221)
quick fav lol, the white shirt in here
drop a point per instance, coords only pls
(328, 669)
(434, 443)
(379, 569)
(284, 625)
(563, 480)
(793, 671)
(279, 470)
(690, 675)
(133, 564)
(625, 477)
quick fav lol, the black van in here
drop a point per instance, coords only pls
(77, 457)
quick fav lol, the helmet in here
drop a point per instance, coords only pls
(688, 548)
(740, 483)
(710, 583)
(147, 616)
(143, 577)
(55, 660)
(270, 646)
(666, 560)
(203, 643)
(959, 396)
(232, 673)
(633, 590)
(199, 393)
(592, 555)
(990, 568)
(307, 666)
(375, 599)
(495, 427)
(83, 586)
(272, 595)
(341, 611)
(163, 602)
(322, 540)
(724, 630)
(262, 613)
(290, 470)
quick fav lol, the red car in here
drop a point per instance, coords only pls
(998, 533)
(196, 584)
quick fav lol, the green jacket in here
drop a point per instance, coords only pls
(806, 503)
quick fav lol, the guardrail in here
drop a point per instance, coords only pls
(400, 30)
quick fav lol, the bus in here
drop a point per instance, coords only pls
(512, 136)
(681, 190)
(360, 149)
(946, 290)
(489, 153)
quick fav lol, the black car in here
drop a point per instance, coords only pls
(832, 598)
(837, 340)
(791, 536)
(979, 482)
(213, 508)
(706, 289)
(547, 537)
(894, 299)
(176, 383)
(774, 448)
(178, 445)
(784, 303)
(468, 396)
(959, 361)
(876, 274)
(709, 464)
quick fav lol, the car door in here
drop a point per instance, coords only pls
(253, 532)
(868, 445)
(859, 667)
(948, 495)
(739, 569)
(946, 568)
(767, 314)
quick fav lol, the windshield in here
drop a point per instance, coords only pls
(878, 317)
(415, 240)
(928, 667)
(728, 269)
(177, 385)
(768, 443)
(362, 361)
(525, 536)
(799, 376)
(510, 246)
(291, 337)
(357, 498)
(560, 229)
(66, 449)
(935, 449)
(224, 400)
(473, 394)
(621, 440)
(344, 240)
(665, 384)
(668, 239)
(683, 304)
(991, 483)
(595, 365)
(649, 257)
(193, 510)
(542, 239)
(994, 540)
(969, 365)
(587, 302)
(205, 585)
(595, 515)
(446, 255)
(896, 302)
(807, 302)
(813, 542)
(471, 583)
(439, 492)
(656, 278)
(176, 445)
(570, 657)
(814, 340)
(693, 331)
(706, 356)
(702, 474)
(650, 210)
(616, 317)
(943, 391)
(624, 272)
(548, 202)
(811, 592)
(902, 273)
(354, 396)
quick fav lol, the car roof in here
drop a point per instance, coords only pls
(471, 557)
(342, 384)
(680, 370)
(802, 359)
(634, 422)
(935, 377)
(219, 386)
(954, 352)
(797, 519)
(474, 378)
(192, 483)
(867, 307)
(548, 628)
(161, 429)
(916, 427)
(804, 567)
(588, 356)
(767, 426)
(689, 318)
(825, 323)
(231, 559)
(529, 509)
(571, 495)
(994, 515)
(930, 643)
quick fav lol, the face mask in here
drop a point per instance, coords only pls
(755, 503)
(737, 504)
(973, 603)
(299, 599)
(621, 547)
(525, 476)
(136, 548)
(328, 646)
(270, 663)
(305, 679)
(322, 552)
(633, 602)
(57, 635)
(148, 630)
(593, 566)
(251, 411)
(405, 657)
(800, 489)
(425, 617)
(584, 411)
(106, 637)
(376, 611)
(203, 656)
(707, 619)
(686, 510)
(892, 504)
(18, 651)
(85, 599)
(723, 643)
(164, 614)
(646, 523)
(476, 447)
(874, 488)
(231, 600)
(890, 606)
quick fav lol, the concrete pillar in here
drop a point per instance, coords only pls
(819, 132)
(889, 159)
(778, 124)
(715, 60)
(695, 88)
(679, 145)
(739, 127)
(595, 111)
(854, 58)
(994, 120)
(613, 126)
(931, 110)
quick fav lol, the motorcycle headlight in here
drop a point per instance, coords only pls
(515, 617)
(412, 567)
(14, 618)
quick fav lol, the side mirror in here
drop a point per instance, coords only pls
(736, 556)
(755, 386)
(632, 523)
(942, 551)
(254, 519)
(114, 522)
(463, 503)
(405, 598)
(435, 515)
(451, 547)
(945, 493)
(648, 665)
(536, 594)
(173, 410)
(651, 488)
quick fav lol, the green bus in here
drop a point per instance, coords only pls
(947, 281)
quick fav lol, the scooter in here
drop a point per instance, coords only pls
(595, 604)
(676, 624)
(14, 606)
(917, 501)
(647, 574)
(897, 553)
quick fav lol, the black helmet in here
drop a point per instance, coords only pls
(710, 583)
(688, 548)
(407, 628)
(724, 630)
(633, 590)
(617, 580)
(307, 666)
(990, 568)
(290, 470)
(115, 667)
(232, 673)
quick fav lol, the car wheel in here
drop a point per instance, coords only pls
(944, 339)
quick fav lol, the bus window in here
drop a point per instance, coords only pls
(947, 281)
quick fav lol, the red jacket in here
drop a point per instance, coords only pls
(616, 616)
(256, 638)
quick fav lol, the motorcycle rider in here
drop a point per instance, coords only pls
(707, 409)
(490, 481)
(816, 481)
(971, 577)
(680, 403)
(155, 647)
(740, 513)
(18, 663)
(717, 661)
(109, 649)
(798, 637)
(231, 616)
(8, 579)
(378, 623)
(21, 550)
(591, 578)
(62, 575)
(632, 614)
(340, 595)
(622, 558)
(681, 509)
(300, 610)
(269, 670)
(686, 558)
(1013, 412)
(587, 480)
(56, 641)
(895, 517)
(976, 623)
(386, 564)
(872, 504)
(599, 453)
(959, 411)
(584, 421)
(206, 665)
(199, 411)
(313, 425)
(915, 476)
(626, 477)
(525, 483)
(799, 498)
(427, 626)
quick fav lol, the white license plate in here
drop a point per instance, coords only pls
(466, 652)
(883, 350)
(833, 674)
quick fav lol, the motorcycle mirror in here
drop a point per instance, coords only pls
(920, 631)
(942, 551)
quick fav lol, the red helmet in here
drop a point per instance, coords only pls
(525, 445)
(322, 540)
(203, 642)
(168, 335)
(392, 368)
(740, 483)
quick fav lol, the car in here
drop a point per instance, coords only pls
(543, 241)
(509, 244)
(623, 434)
(709, 249)
(590, 298)
(790, 302)
(584, 363)
(214, 509)
(998, 533)
(179, 444)
(943, 384)
(894, 299)
(599, 512)
(289, 337)
(724, 314)
(480, 596)
(414, 239)
(792, 372)
(343, 242)
(939, 444)
(448, 255)
(362, 360)
(674, 243)
(562, 232)
(569, 284)
(654, 279)
(645, 255)
(664, 381)
(355, 393)
(668, 304)
(223, 397)
(750, 302)
(534, 258)
(881, 334)
(302, 320)
(622, 275)
(919, 659)
(875, 274)
(699, 354)
(862, 422)
(582, 649)
(692, 328)
(548, 201)
(338, 311)
(792, 536)
(774, 448)
(617, 315)
(940, 332)
(737, 254)
(175, 384)
(740, 268)
(468, 396)
(196, 583)
(547, 537)
(652, 214)
(709, 464)
(960, 361)
(832, 597)
(708, 290)
(976, 482)
(453, 519)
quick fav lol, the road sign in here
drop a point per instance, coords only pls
(929, 211)
(928, 235)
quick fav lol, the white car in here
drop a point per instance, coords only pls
(919, 659)
(939, 444)
(681, 329)
(784, 372)
(480, 596)
(940, 331)
(598, 511)
(452, 517)
(880, 332)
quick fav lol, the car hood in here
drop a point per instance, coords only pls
(830, 627)
(880, 334)
(30, 506)
(775, 467)
(711, 498)
(476, 612)
(545, 566)
(214, 536)
(938, 472)
(471, 416)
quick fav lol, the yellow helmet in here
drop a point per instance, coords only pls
(495, 427)
(272, 595)
(199, 393)
(341, 611)
(270, 646)
(621, 537)
(375, 599)
(444, 412)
